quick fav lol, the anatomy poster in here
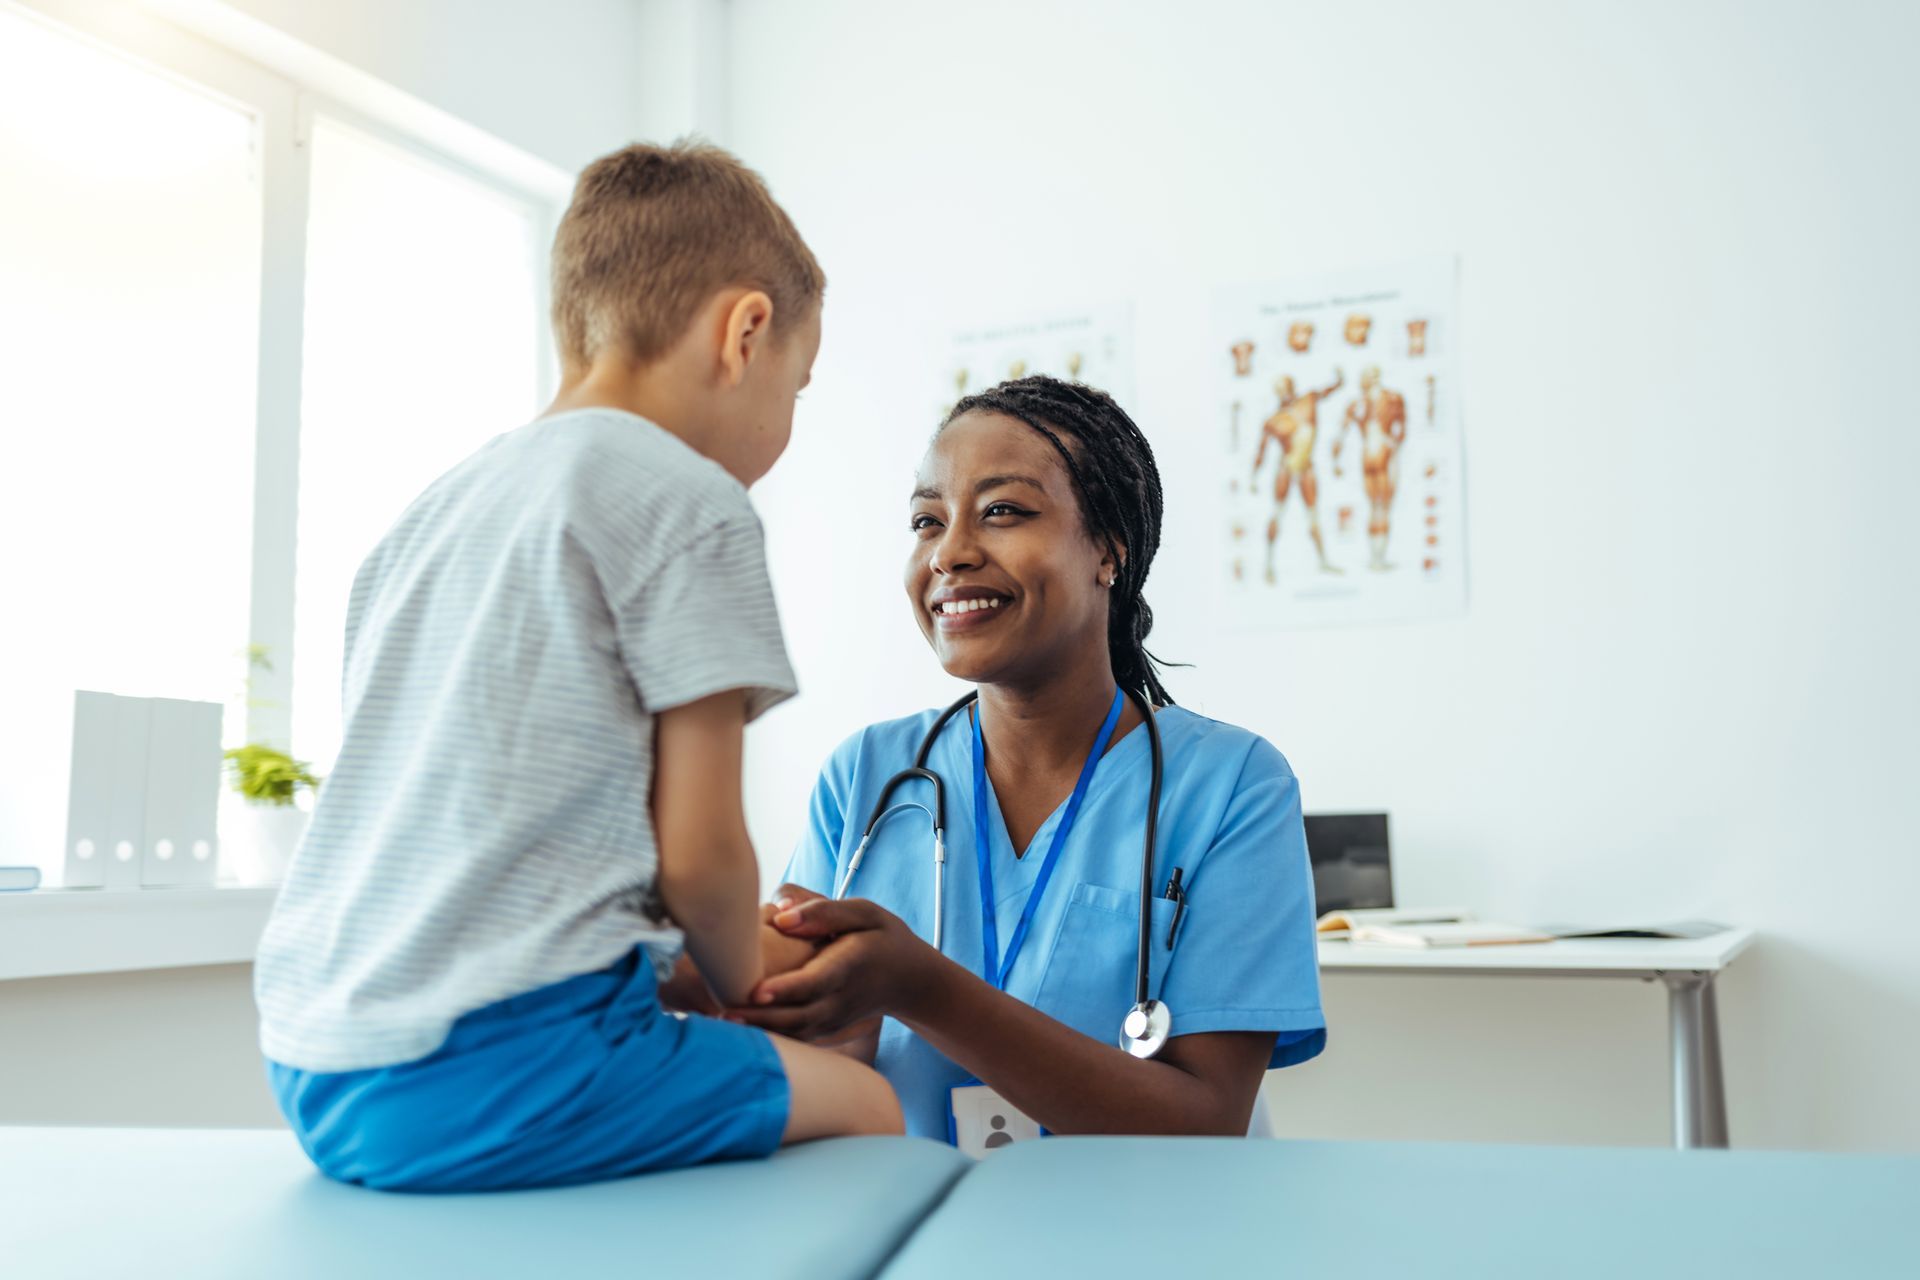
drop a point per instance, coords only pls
(1093, 345)
(1339, 445)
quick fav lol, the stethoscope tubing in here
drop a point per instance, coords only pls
(882, 810)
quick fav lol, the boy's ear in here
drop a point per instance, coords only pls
(748, 325)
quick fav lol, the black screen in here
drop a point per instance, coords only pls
(1351, 867)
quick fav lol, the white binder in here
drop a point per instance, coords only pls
(90, 792)
(144, 792)
(183, 793)
(125, 761)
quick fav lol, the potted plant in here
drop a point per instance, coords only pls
(272, 784)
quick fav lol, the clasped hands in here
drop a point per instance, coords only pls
(830, 970)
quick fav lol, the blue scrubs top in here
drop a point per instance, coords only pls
(1244, 958)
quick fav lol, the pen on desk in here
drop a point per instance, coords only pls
(1179, 896)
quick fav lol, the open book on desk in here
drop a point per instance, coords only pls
(1419, 927)
(1341, 924)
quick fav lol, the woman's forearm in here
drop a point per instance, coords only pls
(1068, 1082)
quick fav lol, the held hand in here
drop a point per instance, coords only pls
(869, 964)
(686, 991)
(778, 952)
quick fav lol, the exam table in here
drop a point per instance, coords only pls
(244, 1203)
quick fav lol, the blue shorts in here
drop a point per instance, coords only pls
(581, 1081)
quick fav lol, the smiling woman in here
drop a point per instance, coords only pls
(1035, 519)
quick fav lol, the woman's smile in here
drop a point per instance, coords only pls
(963, 609)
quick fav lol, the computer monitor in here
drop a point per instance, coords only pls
(1351, 865)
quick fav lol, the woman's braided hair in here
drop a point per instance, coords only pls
(1113, 473)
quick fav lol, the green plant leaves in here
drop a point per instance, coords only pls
(266, 776)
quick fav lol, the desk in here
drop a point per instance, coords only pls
(1688, 967)
(53, 932)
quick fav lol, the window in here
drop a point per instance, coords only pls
(230, 314)
(129, 315)
(397, 393)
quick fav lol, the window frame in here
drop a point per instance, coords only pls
(283, 108)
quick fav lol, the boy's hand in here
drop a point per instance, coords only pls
(778, 952)
(687, 992)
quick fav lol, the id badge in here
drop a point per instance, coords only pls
(979, 1120)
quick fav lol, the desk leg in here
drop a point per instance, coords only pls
(1699, 1101)
(1713, 1101)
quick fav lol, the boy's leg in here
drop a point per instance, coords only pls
(831, 1095)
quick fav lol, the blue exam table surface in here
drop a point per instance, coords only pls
(245, 1203)
(1232, 1207)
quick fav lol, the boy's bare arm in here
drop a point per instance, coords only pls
(709, 878)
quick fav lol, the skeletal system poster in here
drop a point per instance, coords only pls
(1339, 440)
(1093, 345)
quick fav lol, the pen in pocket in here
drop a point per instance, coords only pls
(1179, 897)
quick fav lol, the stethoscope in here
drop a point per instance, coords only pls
(1145, 1029)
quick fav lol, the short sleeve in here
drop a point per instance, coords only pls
(1246, 958)
(816, 858)
(705, 622)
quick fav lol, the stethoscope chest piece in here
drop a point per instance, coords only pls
(1144, 1031)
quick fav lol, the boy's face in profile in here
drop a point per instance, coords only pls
(773, 382)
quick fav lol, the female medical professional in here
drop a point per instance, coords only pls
(1034, 522)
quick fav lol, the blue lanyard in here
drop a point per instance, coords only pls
(983, 850)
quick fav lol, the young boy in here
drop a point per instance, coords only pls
(550, 663)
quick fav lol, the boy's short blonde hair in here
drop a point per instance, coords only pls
(652, 233)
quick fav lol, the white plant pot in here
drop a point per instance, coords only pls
(263, 840)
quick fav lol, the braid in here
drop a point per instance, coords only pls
(1114, 475)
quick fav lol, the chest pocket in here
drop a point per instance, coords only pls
(1088, 982)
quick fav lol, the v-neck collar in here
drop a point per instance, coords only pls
(1000, 837)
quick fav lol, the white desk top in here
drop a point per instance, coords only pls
(1622, 956)
(51, 932)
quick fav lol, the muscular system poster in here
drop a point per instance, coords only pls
(1093, 345)
(1338, 433)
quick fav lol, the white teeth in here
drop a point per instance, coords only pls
(951, 608)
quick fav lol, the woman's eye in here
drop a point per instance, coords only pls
(921, 523)
(1003, 509)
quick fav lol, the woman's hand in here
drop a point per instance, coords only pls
(869, 964)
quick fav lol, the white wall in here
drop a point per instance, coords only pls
(1685, 684)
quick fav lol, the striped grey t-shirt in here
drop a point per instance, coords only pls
(486, 829)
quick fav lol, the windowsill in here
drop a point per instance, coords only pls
(56, 932)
